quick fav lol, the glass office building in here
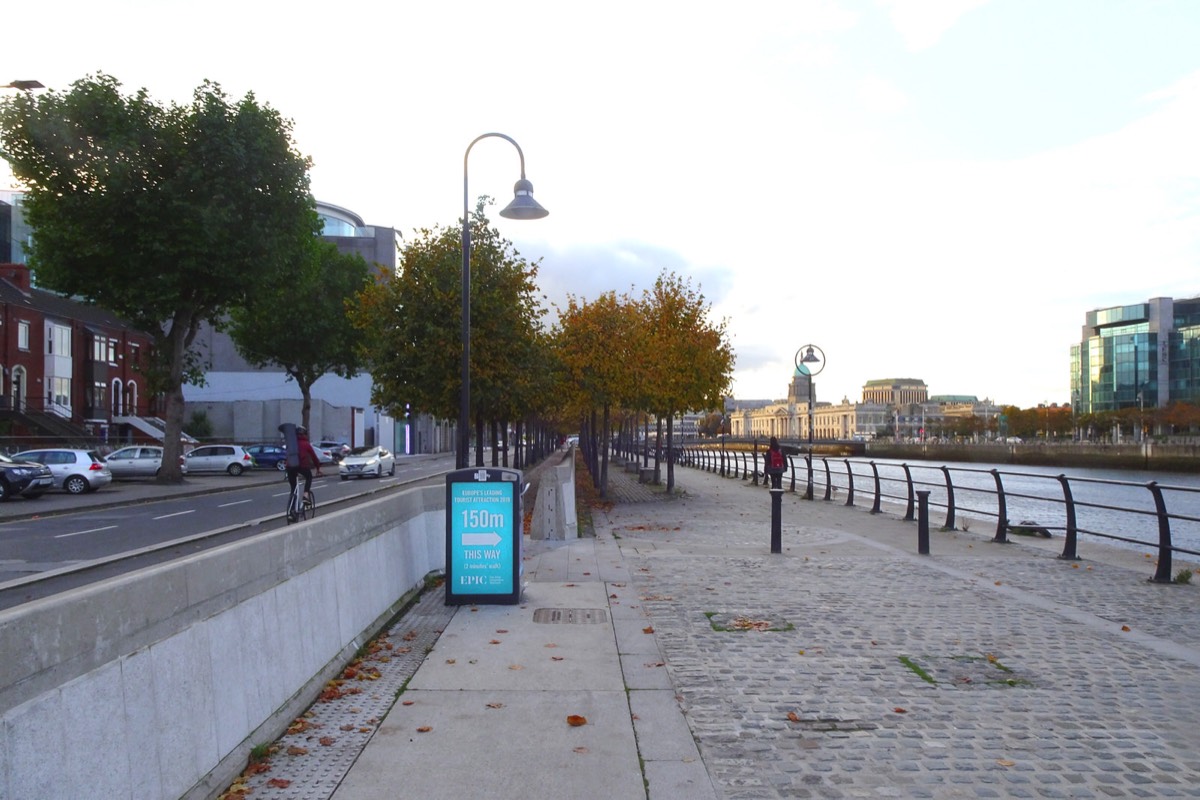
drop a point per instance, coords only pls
(1145, 355)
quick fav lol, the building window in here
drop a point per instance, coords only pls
(23, 335)
(98, 350)
(112, 351)
(61, 392)
(58, 340)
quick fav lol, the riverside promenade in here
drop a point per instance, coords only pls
(673, 656)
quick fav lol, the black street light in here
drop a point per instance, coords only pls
(523, 206)
(804, 364)
(23, 85)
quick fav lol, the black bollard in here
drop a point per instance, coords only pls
(923, 522)
(776, 521)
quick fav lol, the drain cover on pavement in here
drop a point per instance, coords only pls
(570, 616)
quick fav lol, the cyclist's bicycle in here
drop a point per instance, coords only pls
(301, 504)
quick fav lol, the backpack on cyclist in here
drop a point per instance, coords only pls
(775, 460)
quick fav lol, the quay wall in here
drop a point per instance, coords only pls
(158, 683)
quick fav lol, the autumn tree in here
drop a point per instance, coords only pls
(596, 345)
(301, 324)
(169, 216)
(689, 356)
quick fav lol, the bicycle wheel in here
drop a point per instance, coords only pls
(294, 507)
(308, 508)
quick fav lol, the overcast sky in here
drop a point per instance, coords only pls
(923, 188)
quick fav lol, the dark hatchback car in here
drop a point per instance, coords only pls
(268, 456)
(24, 478)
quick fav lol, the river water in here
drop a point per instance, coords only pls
(1107, 501)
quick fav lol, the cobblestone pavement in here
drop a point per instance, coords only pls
(320, 747)
(849, 666)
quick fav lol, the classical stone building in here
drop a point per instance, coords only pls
(891, 407)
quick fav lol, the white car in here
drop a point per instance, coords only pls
(229, 458)
(75, 471)
(137, 461)
(367, 461)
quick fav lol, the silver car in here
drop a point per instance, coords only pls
(75, 471)
(137, 461)
(229, 458)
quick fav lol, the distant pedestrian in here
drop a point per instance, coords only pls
(775, 464)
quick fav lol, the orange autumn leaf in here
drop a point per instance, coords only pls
(326, 741)
(1126, 628)
(425, 729)
(793, 716)
(649, 629)
(900, 710)
(576, 720)
(296, 750)
(407, 702)
(279, 783)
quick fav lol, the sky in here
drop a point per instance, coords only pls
(930, 189)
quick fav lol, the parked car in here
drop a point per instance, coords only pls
(337, 450)
(268, 456)
(76, 471)
(367, 461)
(229, 458)
(25, 478)
(137, 461)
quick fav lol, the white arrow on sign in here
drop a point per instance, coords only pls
(480, 539)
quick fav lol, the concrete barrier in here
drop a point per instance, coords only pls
(554, 507)
(158, 683)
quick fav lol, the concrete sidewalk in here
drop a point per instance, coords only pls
(847, 666)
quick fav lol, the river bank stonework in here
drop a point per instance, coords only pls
(1151, 456)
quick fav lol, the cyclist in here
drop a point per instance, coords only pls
(307, 461)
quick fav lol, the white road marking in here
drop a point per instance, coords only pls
(176, 514)
(80, 533)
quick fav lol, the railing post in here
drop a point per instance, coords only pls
(754, 482)
(1001, 511)
(923, 522)
(878, 489)
(1163, 573)
(828, 482)
(949, 526)
(850, 481)
(808, 493)
(908, 511)
(1071, 542)
(792, 467)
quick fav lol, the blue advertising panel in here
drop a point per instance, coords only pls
(483, 536)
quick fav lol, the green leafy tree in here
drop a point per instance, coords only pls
(301, 325)
(167, 215)
(412, 324)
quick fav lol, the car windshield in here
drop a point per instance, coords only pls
(364, 451)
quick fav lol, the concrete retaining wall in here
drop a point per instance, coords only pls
(159, 682)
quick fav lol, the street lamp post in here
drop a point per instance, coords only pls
(523, 206)
(810, 363)
(812, 355)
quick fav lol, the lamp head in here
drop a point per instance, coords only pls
(809, 357)
(523, 206)
(25, 85)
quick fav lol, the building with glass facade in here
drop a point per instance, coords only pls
(1145, 355)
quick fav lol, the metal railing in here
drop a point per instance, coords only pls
(1138, 515)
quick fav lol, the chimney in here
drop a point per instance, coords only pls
(17, 275)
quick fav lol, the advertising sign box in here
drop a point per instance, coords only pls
(483, 536)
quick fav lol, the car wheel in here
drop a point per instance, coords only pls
(235, 469)
(281, 465)
(3, 491)
(345, 477)
(76, 484)
(392, 471)
(379, 471)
